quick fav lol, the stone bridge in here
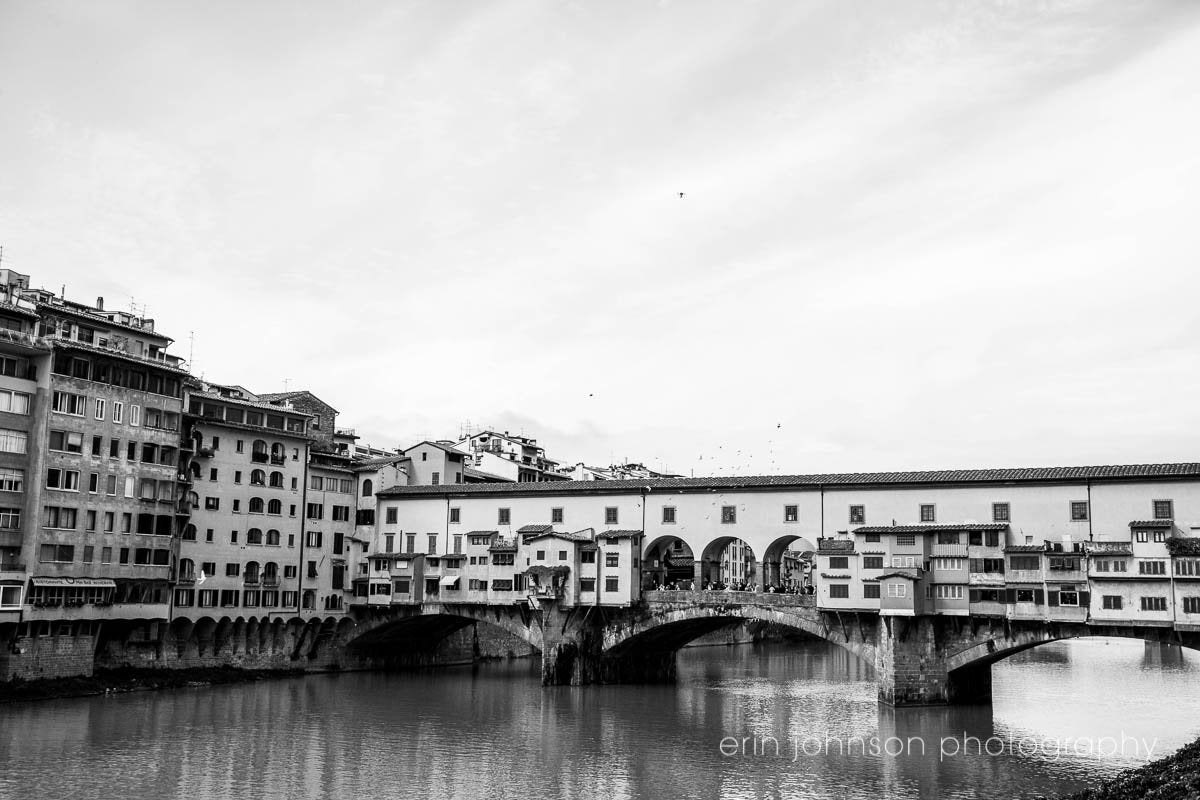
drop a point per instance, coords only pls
(917, 660)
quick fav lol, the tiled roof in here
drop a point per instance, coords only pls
(911, 574)
(1025, 548)
(963, 526)
(626, 534)
(502, 545)
(296, 393)
(378, 462)
(542, 571)
(483, 533)
(1125, 472)
(534, 528)
(443, 447)
(570, 537)
(1101, 548)
(1152, 523)
(108, 351)
(471, 472)
(100, 319)
(1182, 546)
(835, 545)
(238, 401)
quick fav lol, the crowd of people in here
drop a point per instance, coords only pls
(734, 586)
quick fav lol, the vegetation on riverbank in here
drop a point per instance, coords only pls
(1176, 777)
(109, 681)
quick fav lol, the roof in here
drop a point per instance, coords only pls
(100, 318)
(1113, 473)
(293, 394)
(835, 545)
(483, 533)
(144, 361)
(570, 537)
(445, 448)
(378, 462)
(503, 546)
(1152, 523)
(623, 534)
(1181, 546)
(534, 528)
(238, 401)
(962, 526)
(911, 574)
(471, 472)
(1025, 548)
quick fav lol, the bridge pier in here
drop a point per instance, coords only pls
(911, 665)
(573, 652)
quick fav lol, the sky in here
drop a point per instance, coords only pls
(718, 238)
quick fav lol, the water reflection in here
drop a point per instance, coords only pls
(493, 731)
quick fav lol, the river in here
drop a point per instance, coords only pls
(492, 731)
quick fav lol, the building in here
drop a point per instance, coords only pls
(509, 457)
(613, 472)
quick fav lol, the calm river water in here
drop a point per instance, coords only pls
(494, 732)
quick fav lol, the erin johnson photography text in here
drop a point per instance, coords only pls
(964, 744)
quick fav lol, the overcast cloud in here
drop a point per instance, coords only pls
(913, 235)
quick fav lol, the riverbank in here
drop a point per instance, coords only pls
(1176, 777)
(109, 681)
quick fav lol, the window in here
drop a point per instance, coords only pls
(57, 553)
(587, 584)
(839, 590)
(68, 403)
(1025, 562)
(927, 513)
(275, 507)
(858, 516)
(437, 478)
(948, 592)
(1068, 598)
(871, 591)
(65, 479)
(503, 516)
(947, 537)
(315, 511)
(10, 597)
(562, 555)
(872, 562)
(65, 442)
(390, 515)
(212, 504)
(1154, 604)
(610, 515)
(58, 517)
(1025, 596)
(792, 514)
(1164, 509)
(1000, 512)
(368, 488)
(100, 413)
(455, 515)
(114, 448)
(410, 543)
(612, 559)
(118, 411)
(312, 539)
(1152, 567)
(612, 584)
(316, 482)
(10, 519)
(728, 514)
(839, 562)
(906, 539)
(1079, 510)
(897, 590)
(556, 516)
(587, 557)
(14, 402)
(1191, 605)
(232, 570)
(13, 441)
(11, 479)
(432, 544)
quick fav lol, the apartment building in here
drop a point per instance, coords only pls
(509, 457)
(242, 549)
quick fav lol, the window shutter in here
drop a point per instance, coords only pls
(1039, 596)
(976, 565)
(1011, 595)
(1085, 599)
(1052, 598)
(974, 594)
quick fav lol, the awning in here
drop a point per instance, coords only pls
(449, 581)
(83, 583)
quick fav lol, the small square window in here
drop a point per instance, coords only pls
(1079, 510)
(728, 514)
(1164, 509)
(610, 515)
(668, 515)
(858, 515)
(556, 516)
(927, 513)
(503, 516)
(1000, 512)
(791, 513)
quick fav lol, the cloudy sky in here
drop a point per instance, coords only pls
(913, 235)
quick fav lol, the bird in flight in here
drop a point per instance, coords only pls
(681, 194)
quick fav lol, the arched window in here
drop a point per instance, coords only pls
(273, 537)
(194, 467)
(309, 599)
(278, 453)
(258, 478)
(258, 452)
(187, 568)
(189, 532)
(254, 536)
(277, 480)
(256, 505)
(368, 488)
(270, 570)
(275, 507)
(251, 572)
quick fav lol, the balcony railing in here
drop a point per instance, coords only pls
(270, 581)
(11, 566)
(250, 580)
(186, 578)
(259, 458)
(279, 461)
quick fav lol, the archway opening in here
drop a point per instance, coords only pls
(668, 562)
(787, 563)
(729, 563)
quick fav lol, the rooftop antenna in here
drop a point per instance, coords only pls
(191, 347)
(286, 382)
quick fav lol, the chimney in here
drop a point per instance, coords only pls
(99, 303)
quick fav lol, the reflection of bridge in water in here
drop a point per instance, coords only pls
(916, 660)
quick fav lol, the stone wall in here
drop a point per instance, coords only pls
(41, 657)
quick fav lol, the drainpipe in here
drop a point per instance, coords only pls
(1089, 502)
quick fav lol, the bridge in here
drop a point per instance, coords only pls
(917, 660)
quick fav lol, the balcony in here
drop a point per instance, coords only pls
(259, 458)
(270, 581)
(279, 461)
(547, 592)
(186, 579)
(11, 566)
(250, 580)
(203, 451)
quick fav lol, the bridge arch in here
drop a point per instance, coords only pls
(668, 560)
(729, 559)
(775, 571)
(669, 627)
(409, 629)
(991, 649)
